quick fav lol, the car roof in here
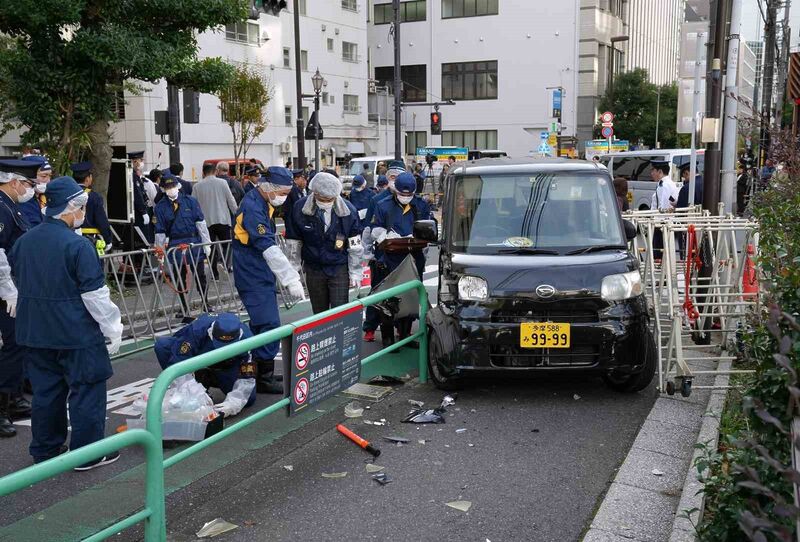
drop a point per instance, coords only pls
(371, 158)
(231, 160)
(679, 152)
(505, 165)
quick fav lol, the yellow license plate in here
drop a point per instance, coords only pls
(544, 335)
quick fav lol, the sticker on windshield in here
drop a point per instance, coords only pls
(575, 191)
(518, 242)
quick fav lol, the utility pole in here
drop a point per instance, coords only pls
(298, 79)
(695, 116)
(174, 113)
(713, 159)
(398, 82)
(783, 64)
(729, 137)
(767, 79)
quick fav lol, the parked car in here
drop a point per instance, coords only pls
(356, 167)
(634, 166)
(478, 154)
(536, 276)
(234, 172)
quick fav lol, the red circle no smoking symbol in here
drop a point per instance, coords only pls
(301, 391)
(302, 356)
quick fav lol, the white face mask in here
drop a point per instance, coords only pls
(360, 188)
(405, 200)
(391, 184)
(79, 221)
(40, 188)
(277, 201)
(26, 196)
(172, 193)
(325, 206)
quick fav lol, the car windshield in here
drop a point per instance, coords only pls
(552, 212)
(357, 168)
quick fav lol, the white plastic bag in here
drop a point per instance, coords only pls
(237, 398)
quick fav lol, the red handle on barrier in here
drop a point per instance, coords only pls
(364, 443)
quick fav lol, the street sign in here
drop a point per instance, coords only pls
(608, 116)
(557, 93)
(442, 153)
(544, 135)
(552, 140)
(545, 149)
(325, 359)
(554, 127)
(607, 131)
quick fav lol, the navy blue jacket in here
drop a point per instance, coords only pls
(179, 225)
(12, 223)
(32, 210)
(379, 197)
(96, 218)
(393, 216)
(361, 199)
(683, 195)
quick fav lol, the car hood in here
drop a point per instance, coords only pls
(521, 275)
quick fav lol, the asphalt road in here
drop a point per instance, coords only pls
(543, 453)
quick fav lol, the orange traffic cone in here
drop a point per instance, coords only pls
(749, 277)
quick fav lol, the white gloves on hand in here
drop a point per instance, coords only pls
(296, 290)
(146, 219)
(207, 250)
(11, 306)
(393, 235)
(116, 343)
(379, 234)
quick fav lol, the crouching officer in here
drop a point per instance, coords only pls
(258, 262)
(394, 218)
(327, 228)
(95, 226)
(64, 316)
(208, 332)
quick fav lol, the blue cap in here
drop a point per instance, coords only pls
(41, 161)
(59, 192)
(405, 184)
(279, 175)
(25, 168)
(135, 154)
(298, 172)
(382, 180)
(396, 164)
(226, 330)
(81, 167)
(252, 170)
(358, 180)
(168, 179)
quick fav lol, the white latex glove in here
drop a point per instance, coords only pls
(296, 290)
(146, 219)
(393, 235)
(161, 239)
(11, 306)
(355, 281)
(116, 343)
(108, 248)
(207, 250)
(379, 234)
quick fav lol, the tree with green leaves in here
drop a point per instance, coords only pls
(243, 101)
(634, 102)
(63, 64)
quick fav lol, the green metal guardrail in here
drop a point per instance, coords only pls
(154, 514)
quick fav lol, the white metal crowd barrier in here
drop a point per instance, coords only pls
(693, 268)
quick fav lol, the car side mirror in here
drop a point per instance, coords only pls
(630, 230)
(426, 230)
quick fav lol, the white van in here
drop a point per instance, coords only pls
(634, 166)
(356, 167)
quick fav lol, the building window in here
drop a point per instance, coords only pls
(287, 55)
(414, 140)
(350, 5)
(287, 115)
(350, 104)
(246, 32)
(330, 44)
(470, 80)
(414, 79)
(302, 7)
(410, 12)
(452, 9)
(332, 99)
(472, 139)
(325, 98)
(304, 60)
(305, 116)
(612, 6)
(349, 51)
(118, 107)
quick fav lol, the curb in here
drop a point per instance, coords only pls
(657, 480)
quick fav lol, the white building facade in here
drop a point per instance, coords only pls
(498, 60)
(654, 27)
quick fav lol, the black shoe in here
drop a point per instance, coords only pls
(103, 461)
(268, 381)
(19, 407)
(7, 429)
(64, 449)
(26, 387)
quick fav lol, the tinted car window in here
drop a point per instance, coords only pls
(357, 168)
(634, 168)
(683, 159)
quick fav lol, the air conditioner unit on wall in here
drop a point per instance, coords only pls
(286, 148)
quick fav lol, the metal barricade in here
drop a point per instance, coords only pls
(692, 266)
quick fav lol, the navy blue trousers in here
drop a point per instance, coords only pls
(11, 355)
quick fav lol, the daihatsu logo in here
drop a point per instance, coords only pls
(545, 290)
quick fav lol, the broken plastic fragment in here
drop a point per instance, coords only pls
(464, 506)
(422, 441)
(414, 402)
(383, 380)
(334, 474)
(395, 439)
(382, 478)
(657, 472)
(462, 430)
(215, 527)
(576, 396)
(425, 416)
(353, 410)
(372, 467)
(290, 468)
(448, 400)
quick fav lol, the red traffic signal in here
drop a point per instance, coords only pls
(436, 123)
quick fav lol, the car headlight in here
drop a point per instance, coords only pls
(472, 288)
(623, 286)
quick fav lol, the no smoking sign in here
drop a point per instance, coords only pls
(301, 391)
(302, 356)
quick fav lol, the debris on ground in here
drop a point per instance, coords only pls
(422, 441)
(372, 467)
(657, 472)
(462, 430)
(386, 380)
(362, 442)
(464, 506)
(448, 400)
(290, 468)
(215, 527)
(382, 478)
(367, 392)
(414, 402)
(395, 439)
(334, 474)
(432, 415)
(576, 396)
(353, 409)
(369, 422)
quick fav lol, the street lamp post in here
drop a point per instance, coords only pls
(318, 81)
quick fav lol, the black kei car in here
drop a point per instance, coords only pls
(536, 276)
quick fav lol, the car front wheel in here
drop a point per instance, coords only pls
(640, 380)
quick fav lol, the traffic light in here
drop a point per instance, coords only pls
(436, 123)
(271, 7)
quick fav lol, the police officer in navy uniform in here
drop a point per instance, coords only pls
(209, 332)
(179, 221)
(177, 170)
(328, 232)
(361, 195)
(394, 218)
(95, 226)
(64, 317)
(32, 209)
(299, 191)
(259, 263)
(141, 216)
(16, 188)
(251, 178)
